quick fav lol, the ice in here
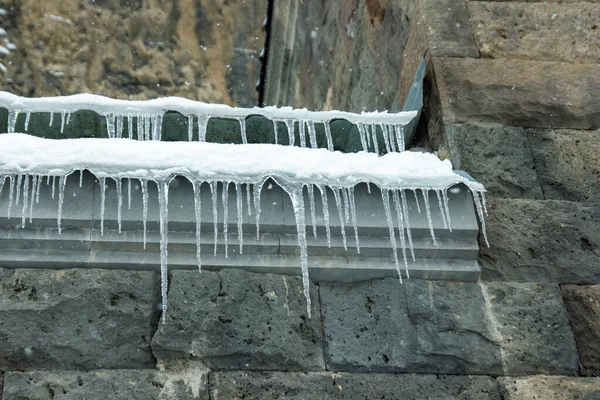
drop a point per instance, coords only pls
(407, 224)
(27, 118)
(119, 126)
(119, 184)
(484, 203)
(198, 213)
(37, 190)
(12, 120)
(447, 208)
(401, 227)
(61, 197)
(163, 205)
(51, 119)
(480, 215)
(248, 189)
(144, 185)
(327, 125)
(213, 192)
(338, 203)
(128, 193)
(63, 120)
(102, 203)
(129, 126)
(257, 191)
(291, 134)
(80, 178)
(25, 200)
(346, 205)
(53, 188)
(313, 217)
(374, 138)
(399, 129)
(425, 193)
(416, 200)
(386, 139)
(238, 203)
(312, 134)
(385, 197)
(325, 204)
(202, 125)
(34, 184)
(302, 132)
(2, 180)
(441, 207)
(243, 130)
(225, 199)
(276, 135)
(353, 214)
(190, 127)
(19, 181)
(11, 193)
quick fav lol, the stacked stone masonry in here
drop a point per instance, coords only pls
(512, 96)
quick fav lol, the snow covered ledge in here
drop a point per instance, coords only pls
(407, 181)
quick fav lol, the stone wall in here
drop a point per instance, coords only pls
(512, 93)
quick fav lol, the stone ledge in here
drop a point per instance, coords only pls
(549, 388)
(583, 307)
(331, 385)
(76, 319)
(447, 328)
(188, 384)
(519, 92)
(542, 241)
(240, 320)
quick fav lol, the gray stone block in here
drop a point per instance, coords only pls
(107, 384)
(447, 328)
(542, 241)
(583, 307)
(328, 385)
(240, 320)
(497, 156)
(567, 163)
(76, 319)
(549, 388)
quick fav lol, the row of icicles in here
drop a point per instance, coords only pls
(25, 188)
(149, 127)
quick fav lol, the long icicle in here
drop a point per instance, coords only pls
(163, 203)
(119, 185)
(102, 203)
(338, 203)
(401, 236)
(481, 216)
(439, 198)
(327, 125)
(13, 115)
(129, 193)
(325, 204)
(257, 191)
(353, 215)
(144, 187)
(312, 133)
(190, 127)
(11, 193)
(225, 197)
(346, 203)
(407, 224)
(25, 200)
(240, 216)
(198, 214)
(61, 197)
(275, 133)
(243, 130)
(213, 192)
(385, 197)
(447, 208)
(291, 134)
(202, 126)
(425, 193)
(34, 184)
(248, 185)
(18, 194)
(313, 217)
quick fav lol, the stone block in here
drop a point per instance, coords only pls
(525, 93)
(548, 32)
(107, 384)
(567, 163)
(583, 307)
(234, 319)
(541, 241)
(329, 385)
(549, 388)
(447, 328)
(76, 319)
(497, 156)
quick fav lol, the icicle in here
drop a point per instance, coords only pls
(157, 132)
(27, 118)
(447, 208)
(416, 200)
(147, 128)
(12, 120)
(144, 185)
(34, 183)
(327, 125)
(19, 181)
(119, 126)
(275, 131)
(353, 213)
(213, 190)
(346, 203)
(257, 191)
(484, 203)
(291, 134)
(2, 179)
(362, 133)
(338, 203)
(61, 197)
(103, 203)
(313, 218)
(129, 193)
(140, 127)
(110, 124)
(385, 197)
(425, 193)
(243, 129)
(401, 236)
(37, 190)
(325, 204)
(368, 187)
(386, 139)
(238, 202)
(312, 134)
(302, 132)
(198, 213)
(11, 193)
(119, 184)
(51, 119)
(129, 126)
(248, 198)
(407, 224)
(202, 125)
(439, 197)
(80, 178)
(389, 131)
(481, 216)
(399, 129)
(163, 203)
(53, 187)
(190, 127)
(374, 137)
(68, 121)
(25, 200)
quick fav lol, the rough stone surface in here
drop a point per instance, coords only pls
(445, 327)
(541, 241)
(583, 307)
(205, 50)
(549, 388)
(76, 319)
(315, 385)
(549, 32)
(240, 320)
(107, 384)
(524, 93)
(567, 163)
(497, 156)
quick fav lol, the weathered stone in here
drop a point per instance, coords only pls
(205, 50)
(567, 163)
(76, 319)
(446, 327)
(541, 241)
(190, 383)
(549, 32)
(519, 92)
(327, 385)
(549, 388)
(497, 156)
(240, 320)
(583, 307)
